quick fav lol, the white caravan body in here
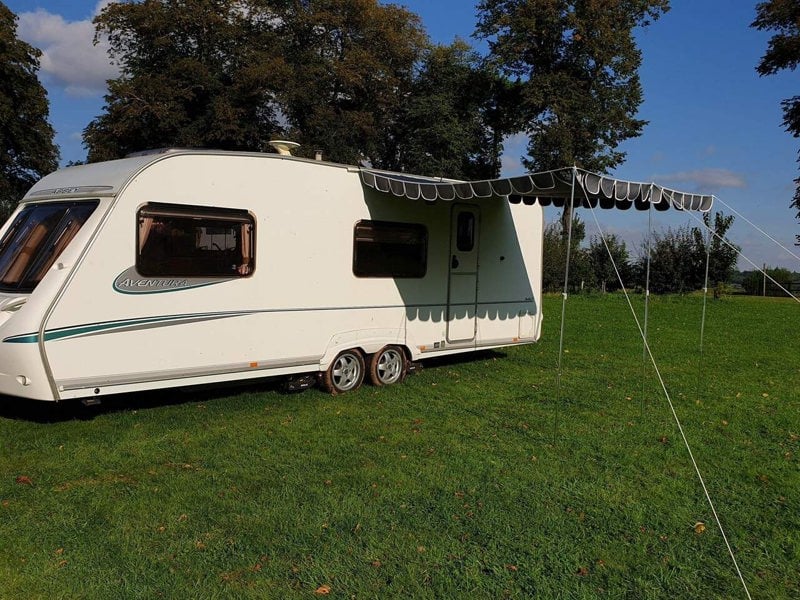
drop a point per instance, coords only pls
(289, 263)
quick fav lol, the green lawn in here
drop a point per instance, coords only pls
(474, 478)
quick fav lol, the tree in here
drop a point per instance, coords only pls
(232, 74)
(783, 52)
(350, 71)
(767, 283)
(722, 255)
(27, 151)
(575, 62)
(675, 262)
(555, 254)
(678, 257)
(575, 65)
(198, 73)
(449, 124)
(603, 268)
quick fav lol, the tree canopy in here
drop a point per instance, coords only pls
(350, 70)
(575, 64)
(361, 81)
(27, 151)
(233, 74)
(450, 125)
(678, 257)
(198, 73)
(783, 52)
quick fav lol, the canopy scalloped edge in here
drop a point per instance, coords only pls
(549, 187)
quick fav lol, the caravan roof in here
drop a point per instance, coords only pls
(558, 187)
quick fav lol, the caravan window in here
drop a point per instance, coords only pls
(36, 238)
(384, 249)
(465, 231)
(192, 241)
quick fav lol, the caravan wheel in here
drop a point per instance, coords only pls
(346, 373)
(387, 366)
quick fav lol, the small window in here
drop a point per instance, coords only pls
(465, 232)
(36, 238)
(191, 241)
(383, 249)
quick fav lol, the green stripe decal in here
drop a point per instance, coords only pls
(111, 326)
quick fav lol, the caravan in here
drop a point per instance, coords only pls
(190, 267)
(187, 267)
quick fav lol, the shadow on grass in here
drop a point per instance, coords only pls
(39, 411)
(465, 357)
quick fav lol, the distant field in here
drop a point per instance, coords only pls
(472, 479)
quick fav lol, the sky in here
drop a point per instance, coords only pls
(714, 124)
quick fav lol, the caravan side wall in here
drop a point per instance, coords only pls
(301, 305)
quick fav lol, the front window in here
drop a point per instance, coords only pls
(192, 241)
(36, 238)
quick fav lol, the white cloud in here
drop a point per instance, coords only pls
(69, 58)
(704, 180)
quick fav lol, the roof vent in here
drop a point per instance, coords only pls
(283, 147)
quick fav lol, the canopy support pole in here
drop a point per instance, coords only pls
(646, 300)
(564, 295)
(705, 303)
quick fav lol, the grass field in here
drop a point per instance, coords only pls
(475, 478)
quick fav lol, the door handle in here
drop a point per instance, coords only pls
(454, 262)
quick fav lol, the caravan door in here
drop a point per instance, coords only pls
(462, 291)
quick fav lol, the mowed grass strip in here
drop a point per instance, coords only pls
(476, 477)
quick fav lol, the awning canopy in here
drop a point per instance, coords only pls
(549, 187)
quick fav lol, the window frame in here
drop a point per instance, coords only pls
(211, 217)
(31, 246)
(363, 270)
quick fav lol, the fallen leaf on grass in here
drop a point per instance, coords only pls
(323, 590)
(59, 551)
(699, 527)
(62, 563)
(376, 563)
(24, 480)
(582, 571)
(512, 568)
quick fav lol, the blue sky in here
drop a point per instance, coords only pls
(714, 125)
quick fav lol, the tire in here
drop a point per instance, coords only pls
(345, 374)
(388, 366)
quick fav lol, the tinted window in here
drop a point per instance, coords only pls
(384, 249)
(36, 238)
(187, 241)
(465, 232)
